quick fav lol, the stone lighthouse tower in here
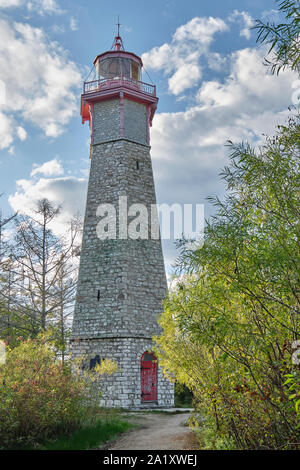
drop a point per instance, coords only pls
(122, 280)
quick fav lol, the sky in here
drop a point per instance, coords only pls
(211, 82)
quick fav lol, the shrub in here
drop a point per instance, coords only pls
(40, 397)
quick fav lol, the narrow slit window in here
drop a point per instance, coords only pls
(98, 296)
(137, 165)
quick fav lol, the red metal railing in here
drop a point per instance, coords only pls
(106, 83)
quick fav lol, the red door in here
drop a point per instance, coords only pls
(149, 377)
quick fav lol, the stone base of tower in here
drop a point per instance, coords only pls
(123, 389)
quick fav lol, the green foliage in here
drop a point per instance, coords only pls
(208, 437)
(39, 396)
(229, 324)
(283, 38)
(89, 435)
(183, 397)
(293, 384)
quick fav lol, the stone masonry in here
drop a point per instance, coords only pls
(121, 282)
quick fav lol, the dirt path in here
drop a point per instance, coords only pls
(161, 431)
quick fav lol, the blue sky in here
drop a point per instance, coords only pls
(202, 56)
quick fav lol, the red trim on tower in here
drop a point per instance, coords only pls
(92, 122)
(131, 93)
(148, 124)
(85, 110)
(153, 108)
(122, 113)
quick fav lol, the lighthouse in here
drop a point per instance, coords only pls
(122, 281)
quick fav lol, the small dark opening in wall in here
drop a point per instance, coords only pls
(91, 363)
(94, 361)
(98, 296)
(137, 165)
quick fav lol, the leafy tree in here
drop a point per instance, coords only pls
(4, 222)
(7, 287)
(283, 38)
(39, 278)
(13, 325)
(231, 319)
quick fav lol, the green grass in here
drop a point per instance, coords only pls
(89, 436)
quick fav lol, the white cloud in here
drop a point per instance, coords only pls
(41, 81)
(245, 19)
(10, 3)
(216, 61)
(249, 88)
(159, 58)
(6, 135)
(188, 147)
(50, 168)
(180, 57)
(40, 6)
(201, 30)
(185, 77)
(22, 134)
(67, 192)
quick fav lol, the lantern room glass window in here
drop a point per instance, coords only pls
(116, 67)
(135, 70)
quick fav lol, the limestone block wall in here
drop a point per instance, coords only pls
(135, 121)
(107, 121)
(122, 282)
(123, 389)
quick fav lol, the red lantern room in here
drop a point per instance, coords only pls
(118, 73)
